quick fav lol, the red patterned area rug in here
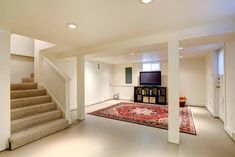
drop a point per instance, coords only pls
(147, 114)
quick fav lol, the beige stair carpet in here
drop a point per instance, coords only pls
(21, 112)
(23, 86)
(27, 80)
(33, 114)
(24, 102)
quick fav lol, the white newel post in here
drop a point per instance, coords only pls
(81, 87)
(36, 64)
(173, 88)
(4, 88)
(40, 69)
(67, 100)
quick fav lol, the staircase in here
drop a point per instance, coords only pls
(33, 114)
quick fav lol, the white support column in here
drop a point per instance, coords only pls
(81, 87)
(173, 88)
(4, 88)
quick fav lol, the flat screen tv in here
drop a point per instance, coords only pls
(150, 78)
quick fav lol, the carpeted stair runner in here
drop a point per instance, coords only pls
(23, 86)
(27, 80)
(24, 102)
(33, 114)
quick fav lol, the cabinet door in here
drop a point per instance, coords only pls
(138, 94)
(161, 95)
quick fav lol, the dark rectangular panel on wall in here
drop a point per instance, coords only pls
(128, 72)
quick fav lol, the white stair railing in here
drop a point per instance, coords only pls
(57, 85)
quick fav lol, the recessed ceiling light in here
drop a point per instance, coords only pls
(99, 58)
(181, 48)
(71, 25)
(132, 54)
(181, 56)
(146, 1)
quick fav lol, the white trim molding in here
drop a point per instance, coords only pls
(196, 104)
(230, 132)
(211, 111)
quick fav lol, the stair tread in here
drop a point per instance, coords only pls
(27, 90)
(33, 106)
(36, 127)
(35, 116)
(23, 86)
(28, 80)
(30, 101)
(31, 97)
(29, 83)
(32, 75)
(26, 111)
(27, 93)
(34, 120)
(32, 134)
(26, 77)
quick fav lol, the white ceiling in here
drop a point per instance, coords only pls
(101, 21)
(150, 54)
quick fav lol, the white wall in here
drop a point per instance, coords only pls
(21, 67)
(230, 87)
(126, 91)
(97, 82)
(21, 45)
(192, 80)
(55, 83)
(69, 67)
(39, 46)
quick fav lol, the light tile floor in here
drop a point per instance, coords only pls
(101, 137)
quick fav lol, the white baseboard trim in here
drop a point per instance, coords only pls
(211, 111)
(96, 102)
(126, 98)
(72, 108)
(229, 132)
(196, 104)
(234, 135)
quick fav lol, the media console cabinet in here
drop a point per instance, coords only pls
(150, 94)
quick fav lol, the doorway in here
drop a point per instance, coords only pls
(221, 84)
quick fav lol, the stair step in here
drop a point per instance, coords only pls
(23, 86)
(27, 93)
(27, 136)
(27, 80)
(31, 110)
(32, 75)
(32, 121)
(23, 102)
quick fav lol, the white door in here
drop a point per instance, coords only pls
(221, 85)
(221, 97)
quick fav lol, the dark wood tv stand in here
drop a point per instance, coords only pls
(150, 94)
